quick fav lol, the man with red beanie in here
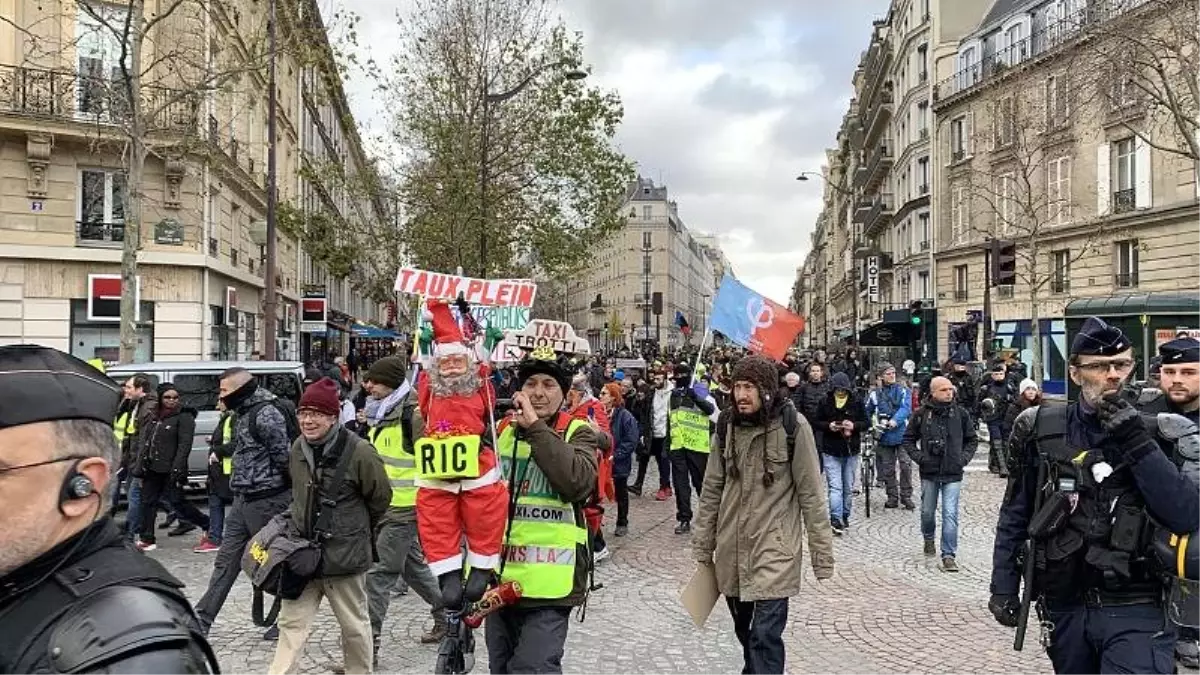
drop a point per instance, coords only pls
(459, 488)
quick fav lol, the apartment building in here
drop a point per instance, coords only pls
(1044, 141)
(612, 302)
(65, 168)
(881, 213)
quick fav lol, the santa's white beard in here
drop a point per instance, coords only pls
(458, 385)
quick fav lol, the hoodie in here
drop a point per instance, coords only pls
(836, 442)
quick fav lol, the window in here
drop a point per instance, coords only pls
(923, 120)
(1014, 42)
(1124, 175)
(101, 206)
(923, 62)
(960, 283)
(1057, 106)
(923, 225)
(1004, 122)
(1058, 191)
(923, 175)
(1125, 258)
(99, 60)
(1122, 91)
(647, 240)
(923, 284)
(1006, 203)
(102, 340)
(968, 67)
(958, 138)
(647, 212)
(958, 215)
(1060, 271)
(646, 268)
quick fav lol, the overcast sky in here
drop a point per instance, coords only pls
(726, 101)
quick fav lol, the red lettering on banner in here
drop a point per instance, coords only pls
(488, 300)
(474, 286)
(524, 296)
(452, 286)
(405, 275)
(437, 284)
(420, 284)
(502, 292)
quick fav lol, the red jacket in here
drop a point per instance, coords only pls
(456, 415)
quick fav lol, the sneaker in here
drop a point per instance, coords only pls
(683, 528)
(206, 545)
(621, 531)
(602, 554)
(434, 635)
(948, 564)
(891, 503)
(181, 529)
(837, 526)
(146, 546)
(272, 634)
(663, 494)
(930, 548)
(908, 504)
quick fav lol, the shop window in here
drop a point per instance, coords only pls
(102, 340)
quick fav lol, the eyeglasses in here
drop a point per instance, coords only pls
(170, 397)
(1120, 365)
(311, 415)
(68, 458)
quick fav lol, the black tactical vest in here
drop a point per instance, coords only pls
(1105, 540)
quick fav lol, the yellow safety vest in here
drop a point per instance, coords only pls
(399, 463)
(224, 435)
(98, 364)
(689, 429)
(541, 549)
(125, 425)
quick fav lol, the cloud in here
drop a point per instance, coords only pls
(726, 102)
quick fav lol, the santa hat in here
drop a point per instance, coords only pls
(447, 336)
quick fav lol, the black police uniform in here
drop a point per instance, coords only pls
(92, 603)
(1154, 402)
(1098, 585)
(1002, 394)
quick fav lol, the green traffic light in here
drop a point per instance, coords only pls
(916, 320)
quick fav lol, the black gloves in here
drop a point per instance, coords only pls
(1005, 608)
(179, 478)
(1123, 423)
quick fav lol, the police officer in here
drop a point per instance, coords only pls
(964, 385)
(995, 395)
(1178, 394)
(74, 597)
(1097, 584)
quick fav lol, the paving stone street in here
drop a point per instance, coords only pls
(887, 609)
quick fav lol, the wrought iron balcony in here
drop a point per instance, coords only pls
(1125, 280)
(879, 215)
(1124, 201)
(68, 95)
(99, 235)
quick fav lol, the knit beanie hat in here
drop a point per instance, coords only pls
(388, 371)
(759, 371)
(321, 396)
(1027, 383)
(543, 362)
(883, 367)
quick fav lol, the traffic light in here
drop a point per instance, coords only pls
(914, 313)
(916, 322)
(1004, 262)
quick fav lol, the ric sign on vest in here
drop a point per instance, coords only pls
(541, 547)
(400, 465)
(689, 430)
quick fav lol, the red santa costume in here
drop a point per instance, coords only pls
(456, 405)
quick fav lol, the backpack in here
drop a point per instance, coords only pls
(791, 425)
(285, 408)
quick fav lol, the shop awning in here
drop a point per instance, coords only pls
(886, 334)
(373, 333)
(1133, 305)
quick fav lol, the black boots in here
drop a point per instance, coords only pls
(477, 584)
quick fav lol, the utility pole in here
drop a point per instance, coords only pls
(269, 294)
(483, 184)
(986, 352)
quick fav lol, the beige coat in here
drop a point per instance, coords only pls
(751, 531)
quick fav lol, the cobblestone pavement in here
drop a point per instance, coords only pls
(887, 609)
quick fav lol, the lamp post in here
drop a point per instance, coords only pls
(490, 99)
(269, 275)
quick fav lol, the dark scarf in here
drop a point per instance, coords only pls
(238, 397)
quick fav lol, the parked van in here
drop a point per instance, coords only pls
(198, 385)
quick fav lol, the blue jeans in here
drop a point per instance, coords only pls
(839, 476)
(759, 628)
(216, 518)
(133, 507)
(930, 491)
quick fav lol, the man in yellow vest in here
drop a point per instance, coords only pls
(688, 414)
(390, 412)
(220, 468)
(549, 461)
(139, 403)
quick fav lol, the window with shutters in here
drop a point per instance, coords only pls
(958, 138)
(1058, 107)
(961, 292)
(1058, 191)
(1006, 202)
(958, 215)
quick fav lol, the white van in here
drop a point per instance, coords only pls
(197, 382)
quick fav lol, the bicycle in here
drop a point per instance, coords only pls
(867, 469)
(456, 653)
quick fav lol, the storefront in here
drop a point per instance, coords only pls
(372, 343)
(99, 338)
(1018, 335)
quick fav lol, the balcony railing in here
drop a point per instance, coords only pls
(1039, 42)
(65, 94)
(881, 161)
(1125, 280)
(1060, 286)
(1124, 201)
(879, 215)
(99, 235)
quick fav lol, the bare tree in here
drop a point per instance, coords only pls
(1019, 189)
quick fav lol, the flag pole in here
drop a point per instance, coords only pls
(700, 353)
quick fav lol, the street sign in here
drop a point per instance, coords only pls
(873, 278)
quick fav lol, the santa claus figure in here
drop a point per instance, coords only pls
(460, 492)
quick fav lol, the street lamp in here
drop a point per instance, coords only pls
(804, 175)
(572, 73)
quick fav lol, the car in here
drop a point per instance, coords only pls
(198, 384)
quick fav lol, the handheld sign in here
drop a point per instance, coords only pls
(557, 335)
(450, 458)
